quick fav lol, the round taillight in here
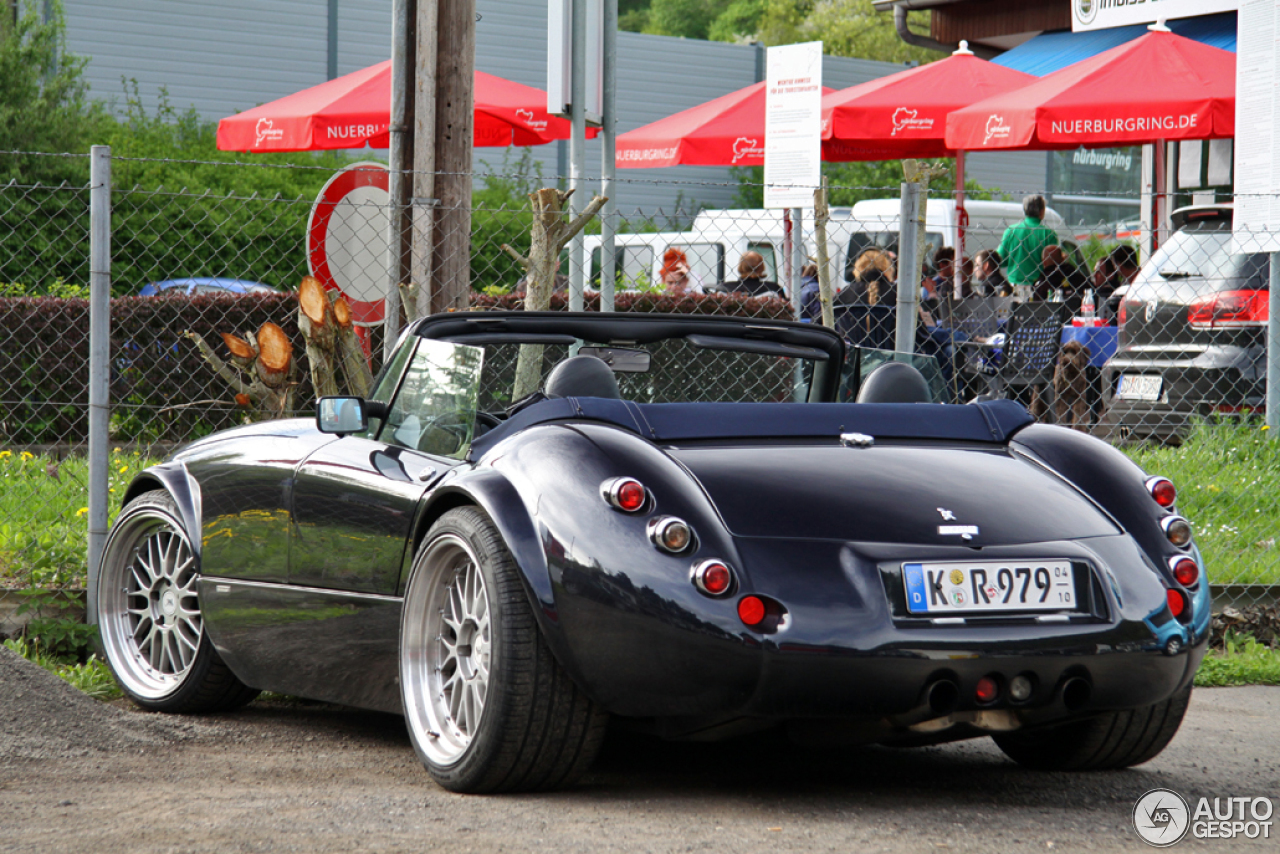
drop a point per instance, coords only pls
(670, 534)
(712, 577)
(1177, 529)
(1162, 490)
(1176, 602)
(987, 691)
(751, 610)
(1020, 688)
(1185, 571)
(625, 493)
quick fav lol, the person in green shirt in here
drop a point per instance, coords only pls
(1023, 243)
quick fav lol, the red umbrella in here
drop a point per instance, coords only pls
(905, 114)
(353, 111)
(726, 131)
(1160, 86)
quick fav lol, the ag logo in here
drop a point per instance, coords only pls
(1161, 817)
(1086, 10)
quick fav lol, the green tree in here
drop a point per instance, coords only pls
(690, 19)
(44, 105)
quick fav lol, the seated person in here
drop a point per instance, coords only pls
(751, 281)
(676, 276)
(1060, 278)
(872, 283)
(987, 280)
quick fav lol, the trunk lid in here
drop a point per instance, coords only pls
(894, 493)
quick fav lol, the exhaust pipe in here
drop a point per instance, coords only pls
(1076, 693)
(942, 697)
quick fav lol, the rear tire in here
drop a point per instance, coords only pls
(1106, 741)
(149, 615)
(487, 706)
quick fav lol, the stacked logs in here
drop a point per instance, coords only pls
(262, 373)
(334, 351)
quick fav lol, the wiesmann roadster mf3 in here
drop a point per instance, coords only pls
(684, 527)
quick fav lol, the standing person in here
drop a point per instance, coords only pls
(810, 293)
(1023, 244)
(988, 281)
(751, 278)
(1059, 275)
(676, 276)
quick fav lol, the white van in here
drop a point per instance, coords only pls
(718, 238)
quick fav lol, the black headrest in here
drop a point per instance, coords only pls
(582, 376)
(895, 382)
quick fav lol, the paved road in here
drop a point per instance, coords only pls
(278, 778)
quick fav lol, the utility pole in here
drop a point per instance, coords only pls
(444, 128)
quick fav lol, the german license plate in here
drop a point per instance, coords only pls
(1139, 387)
(952, 588)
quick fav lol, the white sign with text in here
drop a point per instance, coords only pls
(793, 125)
(1257, 214)
(1102, 14)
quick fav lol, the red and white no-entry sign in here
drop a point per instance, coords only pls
(347, 238)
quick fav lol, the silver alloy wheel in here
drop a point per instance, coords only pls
(445, 651)
(150, 616)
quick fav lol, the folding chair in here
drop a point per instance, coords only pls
(1025, 357)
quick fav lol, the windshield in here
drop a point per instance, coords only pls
(1197, 260)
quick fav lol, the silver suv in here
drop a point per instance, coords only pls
(1192, 334)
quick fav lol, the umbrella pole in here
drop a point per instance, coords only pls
(1160, 199)
(961, 221)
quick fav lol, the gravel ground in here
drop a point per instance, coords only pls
(76, 775)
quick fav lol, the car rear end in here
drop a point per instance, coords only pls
(1192, 334)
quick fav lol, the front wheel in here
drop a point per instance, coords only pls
(149, 615)
(1105, 741)
(487, 706)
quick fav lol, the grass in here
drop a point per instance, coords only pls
(1228, 480)
(92, 677)
(1243, 661)
(44, 508)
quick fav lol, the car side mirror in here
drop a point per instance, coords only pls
(342, 415)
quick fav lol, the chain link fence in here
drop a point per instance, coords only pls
(1163, 356)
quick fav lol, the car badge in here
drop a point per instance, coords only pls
(1149, 314)
(857, 440)
(964, 532)
(947, 515)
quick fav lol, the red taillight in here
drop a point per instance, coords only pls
(1123, 313)
(1177, 604)
(713, 578)
(625, 493)
(987, 691)
(717, 579)
(1228, 310)
(1162, 490)
(751, 610)
(1185, 571)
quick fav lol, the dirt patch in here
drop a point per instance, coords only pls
(42, 717)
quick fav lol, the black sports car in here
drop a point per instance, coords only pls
(681, 527)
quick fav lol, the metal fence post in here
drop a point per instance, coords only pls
(1273, 349)
(608, 150)
(99, 358)
(908, 268)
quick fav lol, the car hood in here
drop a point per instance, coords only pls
(891, 493)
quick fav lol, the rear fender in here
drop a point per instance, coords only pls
(498, 498)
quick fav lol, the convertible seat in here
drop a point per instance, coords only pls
(582, 376)
(895, 382)
(989, 422)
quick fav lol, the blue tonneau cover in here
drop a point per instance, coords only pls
(994, 421)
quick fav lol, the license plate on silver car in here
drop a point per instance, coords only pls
(952, 588)
(1139, 387)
